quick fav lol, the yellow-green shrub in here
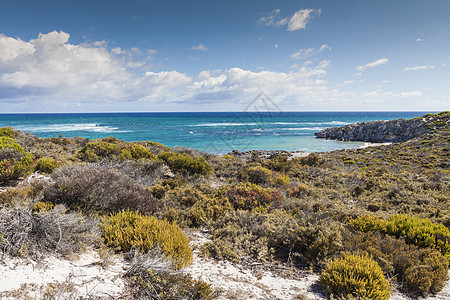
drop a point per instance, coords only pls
(355, 275)
(46, 164)
(135, 151)
(249, 196)
(185, 163)
(418, 231)
(8, 132)
(126, 230)
(16, 163)
(94, 151)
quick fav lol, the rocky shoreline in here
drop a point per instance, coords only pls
(394, 131)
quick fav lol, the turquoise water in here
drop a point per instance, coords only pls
(208, 131)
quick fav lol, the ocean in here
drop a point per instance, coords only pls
(214, 132)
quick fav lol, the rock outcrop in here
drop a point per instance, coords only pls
(394, 131)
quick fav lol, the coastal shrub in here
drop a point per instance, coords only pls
(136, 152)
(262, 175)
(36, 234)
(308, 240)
(8, 132)
(355, 275)
(93, 187)
(94, 151)
(155, 147)
(14, 161)
(46, 165)
(402, 261)
(128, 230)
(182, 162)
(249, 196)
(151, 276)
(417, 231)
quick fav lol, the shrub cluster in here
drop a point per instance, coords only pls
(127, 230)
(418, 231)
(182, 162)
(249, 196)
(28, 233)
(93, 187)
(262, 175)
(356, 275)
(402, 261)
(14, 161)
(110, 147)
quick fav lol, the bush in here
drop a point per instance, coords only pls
(261, 175)
(28, 234)
(8, 132)
(249, 196)
(46, 165)
(127, 230)
(307, 240)
(404, 261)
(14, 161)
(93, 187)
(182, 162)
(355, 275)
(418, 231)
(93, 152)
(135, 152)
(152, 277)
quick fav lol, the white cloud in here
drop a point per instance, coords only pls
(301, 18)
(304, 53)
(416, 68)
(419, 40)
(376, 63)
(200, 47)
(297, 21)
(409, 94)
(51, 74)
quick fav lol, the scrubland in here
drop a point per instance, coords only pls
(366, 220)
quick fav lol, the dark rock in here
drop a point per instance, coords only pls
(395, 131)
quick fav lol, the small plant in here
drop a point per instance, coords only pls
(356, 275)
(46, 165)
(128, 230)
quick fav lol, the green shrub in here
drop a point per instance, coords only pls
(136, 152)
(93, 152)
(11, 169)
(46, 165)
(261, 175)
(418, 231)
(182, 162)
(249, 196)
(404, 261)
(126, 230)
(8, 132)
(356, 275)
(8, 142)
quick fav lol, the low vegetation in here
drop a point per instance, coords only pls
(358, 217)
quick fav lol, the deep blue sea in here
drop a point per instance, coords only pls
(215, 132)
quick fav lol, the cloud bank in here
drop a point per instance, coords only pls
(51, 74)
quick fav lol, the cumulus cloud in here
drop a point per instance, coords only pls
(376, 63)
(49, 74)
(304, 53)
(200, 47)
(297, 21)
(416, 68)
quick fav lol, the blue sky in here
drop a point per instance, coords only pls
(155, 55)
